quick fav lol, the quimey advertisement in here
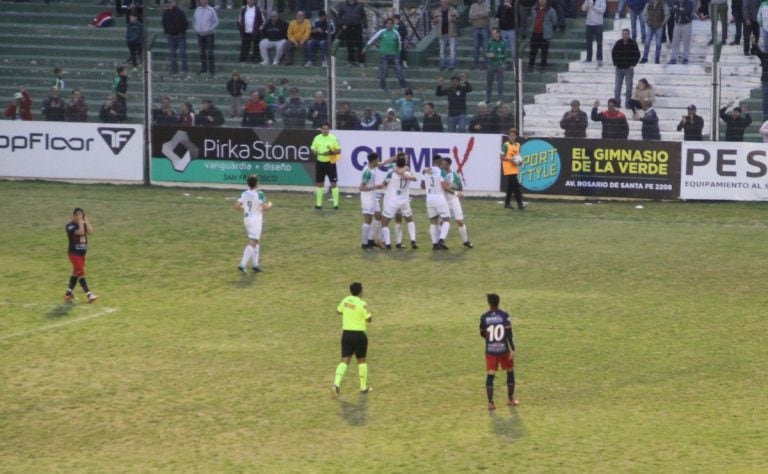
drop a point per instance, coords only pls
(601, 168)
(229, 155)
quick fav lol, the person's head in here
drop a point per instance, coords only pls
(625, 34)
(436, 159)
(255, 97)
(253, 181)
(373, 160)
(543, 3)
(401, 159)
(120, 70)
(293, 92)
(207, 104)
(54, 91)
(389, 24)
(575, 105)
(203, 3)
(512, 134)
(78, 213)
(271, 87)
(300, 16)
(444, 4)
(321, 14)
(643, 84)
(482, 108)
(235, 75)
(493, 300)
(429, 108)
(612, 104)
(356, 289)
(391, 114)
(250, 3)
(495, 33)
(325, 128)
(284, 82)
(169, 4)
(455, 81)
(408, 93)
(691, 110)
(273, 17)
(367, 112)
(76, 95)
(445, 163)
(110, 99)
(319, 97)
(165, 102)
(736, 111)
(506, 110)
(58, 71)
(185, 107)
(396, 18)
(18, 96)
(344, 107)
(133, 17)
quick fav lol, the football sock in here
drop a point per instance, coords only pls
(362, 370)
(255, 255)
(399, 233)
(319, 197)
(385, 235)
(511, 384)
(84, 284)
(335, 195)
(366, 232)
(463, 233)
(412, 231)
(247, 252)
(375, 229)
(489, 386)
(433, 232)
(444, 227)
(72, 283)
(341, 369)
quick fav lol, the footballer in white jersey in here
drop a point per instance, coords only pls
(454, 199)
(437, 206)
(369, 202)
(253, 203)
(397, 200)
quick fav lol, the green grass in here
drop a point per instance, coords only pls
(640, 332)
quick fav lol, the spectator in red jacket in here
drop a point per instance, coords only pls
(20, 108)
(614, 121)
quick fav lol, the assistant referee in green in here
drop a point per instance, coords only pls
(355, 315)
(327, 151)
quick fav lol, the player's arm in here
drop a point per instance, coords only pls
(88, 228)
(482, 328)
(265, 206)
(510, 342)
(447, 187)
(239, 205)
(368, 316)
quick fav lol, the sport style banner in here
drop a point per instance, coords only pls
(724, 171)
(228, 155)
(65, 150)
(608, 168)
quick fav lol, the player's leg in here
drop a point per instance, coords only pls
(433, 233)
(399, 230)
(78, 265)
(347, 349)
(361, 351)
(491, 365)
(333, 177)
(445, 226)
(68, 296)
(366, 228)
(508, 364)
(320, 173)
(375, 225)
(408, 215)
(256, 246)
(247, 251)
(387, 213)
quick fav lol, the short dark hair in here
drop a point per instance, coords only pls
(401, 160)
(78, 209)
(437, 157)
(373, 157)
(431, 104)
(120, 69)
(455, 78)
(447, 160)
(325, 124)
(253, 180)
(493, 300)
(356, 288)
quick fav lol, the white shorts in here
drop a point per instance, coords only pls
(369, 203)
(253, 227)
(437, 207)
(454, 205)
(403, 207)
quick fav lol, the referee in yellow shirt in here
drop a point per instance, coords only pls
(355, 315)
(327, 151)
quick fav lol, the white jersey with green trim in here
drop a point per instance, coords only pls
(251, 200)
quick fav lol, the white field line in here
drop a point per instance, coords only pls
(58, 325)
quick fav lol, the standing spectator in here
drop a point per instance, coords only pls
(614, 121)
(120, 85)
(595, 10)
(625, 55)
(346, 119)
(737, 12)
(507, 21)
(317, 112)
(445, 22)
(544, 22)
(77, 109)
(293, 110)
(431, 120)
(54, 107)
(650, 129)
(112, 110)
(132, 7)
(205, 23)
(523, 15)
(718, 10)
(682, 15)
(691, 125)
(165, 115)
(58, 81)
(502, 117)
(481, 122)
(391, 123)
(186, 115)
(249, 23)
(352, 20)
(209, 115)
(389, 53)
(480, 18)
(21, 107)
(402, 30)
(749, 9)
(457, 101)
(642, 92)
(575, 121)
(298, 35)
(134, 38)
(175, 25)
(406, 107)
(274, 34)
(235, 87)
(496, 55)
(735, 122)
(255, 111)
(510, 167)
(656, 15)
(636, 8)
(318, 39)
(763, 56)
(371, 120)
(762, 20)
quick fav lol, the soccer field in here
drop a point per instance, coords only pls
(640, 333)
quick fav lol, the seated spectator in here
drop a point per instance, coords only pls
(503, 118)
(274, 97)
(370, 120)
(481, 122)
(186, 115)
(274, 35)
(643, 91)
(650, 129)
(209, 115)
(293, 110)
(21, 107)
(77, 109)
(406, 106)
(112, 111)
(575, 122)
(614, 121)
(255, 111)
(346, 119)
(432, 121)
(298, 36)
(317, 113)
(103, 20)
(236, 87)
(54, 107)
(391, 123)
(318, 39)
(165, 115)
(691, 125)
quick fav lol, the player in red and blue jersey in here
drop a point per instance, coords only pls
(77, 234)
(496, 329)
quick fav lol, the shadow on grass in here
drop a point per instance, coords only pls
(244, 281)
(457, 254)
(355, 414)
(59, 311)
(507, 429)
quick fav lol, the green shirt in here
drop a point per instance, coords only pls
(322, 144)
(499, 50)
(354, 313)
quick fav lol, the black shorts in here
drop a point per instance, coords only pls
(354, 342)
(323, 169)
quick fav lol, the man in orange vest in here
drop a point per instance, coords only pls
(510, 165)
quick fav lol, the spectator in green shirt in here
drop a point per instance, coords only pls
(389, 53)
(496, 52)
